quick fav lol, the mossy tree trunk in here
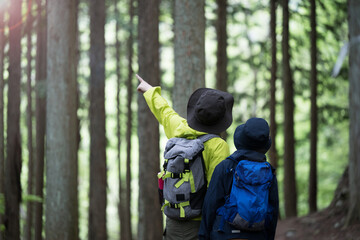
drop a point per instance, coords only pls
(189, 45)
(61, 125)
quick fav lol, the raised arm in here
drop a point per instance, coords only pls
(174, 125)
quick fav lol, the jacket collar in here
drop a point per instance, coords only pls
(246, 154)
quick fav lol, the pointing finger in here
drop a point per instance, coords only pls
(140, 79)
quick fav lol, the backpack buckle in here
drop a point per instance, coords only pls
(173, 205)
(186, 165)
(177, 175)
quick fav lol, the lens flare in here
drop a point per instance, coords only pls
(4, 6)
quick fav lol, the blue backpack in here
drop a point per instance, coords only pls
(247, 206)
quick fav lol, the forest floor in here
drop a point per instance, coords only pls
(323, 225)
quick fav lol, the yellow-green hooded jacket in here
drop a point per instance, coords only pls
(215, 150)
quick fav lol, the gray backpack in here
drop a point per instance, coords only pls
(184, 177)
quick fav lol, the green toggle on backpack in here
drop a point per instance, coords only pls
(184, 177)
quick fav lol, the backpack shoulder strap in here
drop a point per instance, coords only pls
(207, 137)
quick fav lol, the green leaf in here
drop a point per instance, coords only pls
(32, 198)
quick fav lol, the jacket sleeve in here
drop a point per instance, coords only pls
(216, 150)
(174, 125)
(274, 202)
(214, 198)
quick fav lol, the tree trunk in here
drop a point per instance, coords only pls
(97, 208)
(2, 140)
(273, 155)
(40, 115)
(354, 108)
(289, 140)
(189, 45)
(126, 221)
(121, 205)
(13, 160)
(314, 110)
(150, 215)
(341, 195)
(78, 129)
(61, 135)
(29, 205)
(221, 53)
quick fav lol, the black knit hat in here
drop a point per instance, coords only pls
(210, 110)
(253, 135)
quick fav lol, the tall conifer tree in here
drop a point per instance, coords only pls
(354, 108)
(290, 192)
(13, 157)
(150, 221)
(314, 111)
(189, 45)
(61, 125)
(98, 176)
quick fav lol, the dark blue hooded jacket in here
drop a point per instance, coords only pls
(219, 189)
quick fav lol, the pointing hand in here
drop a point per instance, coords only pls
(143, 86)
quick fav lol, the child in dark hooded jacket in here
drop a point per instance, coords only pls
(252, 141)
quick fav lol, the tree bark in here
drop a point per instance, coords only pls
(121, 206)
(189, 45)
(29, 205)
(273, 155)
(314, 111)
(78, 135)
(290, 192)
(126, 232)
(61, 135)
(40, 115)
(97, 208)
(2, 140)
(354, 108)
(150, 215)
(13, 160)
(221, 53)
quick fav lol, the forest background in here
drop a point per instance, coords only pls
(93, 170)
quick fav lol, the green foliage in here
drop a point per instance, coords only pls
(31, 198)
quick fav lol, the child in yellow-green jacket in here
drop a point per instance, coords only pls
(208, 111)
